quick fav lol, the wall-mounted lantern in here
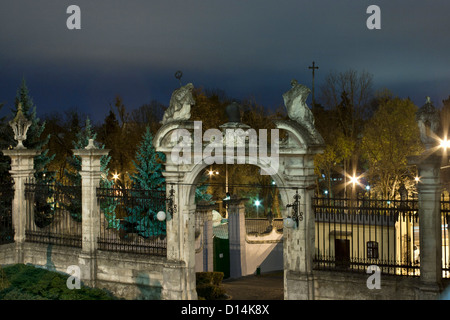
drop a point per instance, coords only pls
(292, 220)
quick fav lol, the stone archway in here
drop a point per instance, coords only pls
(185, 151)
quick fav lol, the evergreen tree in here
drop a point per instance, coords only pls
(34, 139)
(201, 192)
(149, 185)
(4, 140)
(44, 197)
(73, 178)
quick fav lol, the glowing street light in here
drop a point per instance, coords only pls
(211, 172)
(257, 204)
(115, 176)
(445, 144)
(417, 179)
(353, 180)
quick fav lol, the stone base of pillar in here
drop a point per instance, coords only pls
(19, 254)
(429, 291)
(178, 282)
(298, 286)
(88, 269)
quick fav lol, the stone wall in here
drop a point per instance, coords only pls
(127, 276)
(334, 285)
(353, 286)
(264, 252)
(131, 276)
(51, 257)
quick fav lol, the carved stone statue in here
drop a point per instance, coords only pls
(180, 104)
(428, 120)
(295, 102)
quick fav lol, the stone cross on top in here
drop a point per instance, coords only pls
(314, 68)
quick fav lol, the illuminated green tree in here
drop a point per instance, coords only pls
(149, 184)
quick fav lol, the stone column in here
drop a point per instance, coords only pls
(208, 253)
(22, 170)
(204, 214)
(179, 273)
(298, 247)
(236, 236)
(90, 181)
(430, 236)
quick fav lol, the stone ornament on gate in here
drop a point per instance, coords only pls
(180, 104)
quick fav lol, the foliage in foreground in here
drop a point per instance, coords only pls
(209, 286)
(26, 282)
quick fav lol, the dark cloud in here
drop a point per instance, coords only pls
(247, 48)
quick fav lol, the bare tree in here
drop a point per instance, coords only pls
(349, 95)
(356, 85)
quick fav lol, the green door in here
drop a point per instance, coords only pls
(222, 256)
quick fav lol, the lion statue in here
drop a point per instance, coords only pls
(295, 102)
(180, 104)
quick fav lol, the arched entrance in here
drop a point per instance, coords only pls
(290, 163)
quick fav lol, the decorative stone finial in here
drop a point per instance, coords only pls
(20, 125)
(295, 102)
(233, 112)
(428, 120)
(180, 104)
(91, 144)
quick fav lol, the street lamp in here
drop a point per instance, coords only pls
(257, 203)
(171, 207)
(445, 144)
(161, 216)
(353, 180)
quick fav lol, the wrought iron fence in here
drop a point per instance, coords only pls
(352, 234)
(6, 225)
(445, 217)
(129, 222)
(262, 226)
(53, 214)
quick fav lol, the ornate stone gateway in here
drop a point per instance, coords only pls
(290, 164)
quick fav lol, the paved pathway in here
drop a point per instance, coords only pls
(264, 287)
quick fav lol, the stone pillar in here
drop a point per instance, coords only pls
(236, 236)
(22, 170)
(208, 253)
(204, 214)
(179, 282)
(90, 181)
(298, 247)
(430, 236)
(299, 251)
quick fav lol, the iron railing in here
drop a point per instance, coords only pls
(263, 226)
(129, 222)
(6, 225)
(445, 219)
(352, 234)
(53, 214)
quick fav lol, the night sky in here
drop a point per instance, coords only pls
(250, 48)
